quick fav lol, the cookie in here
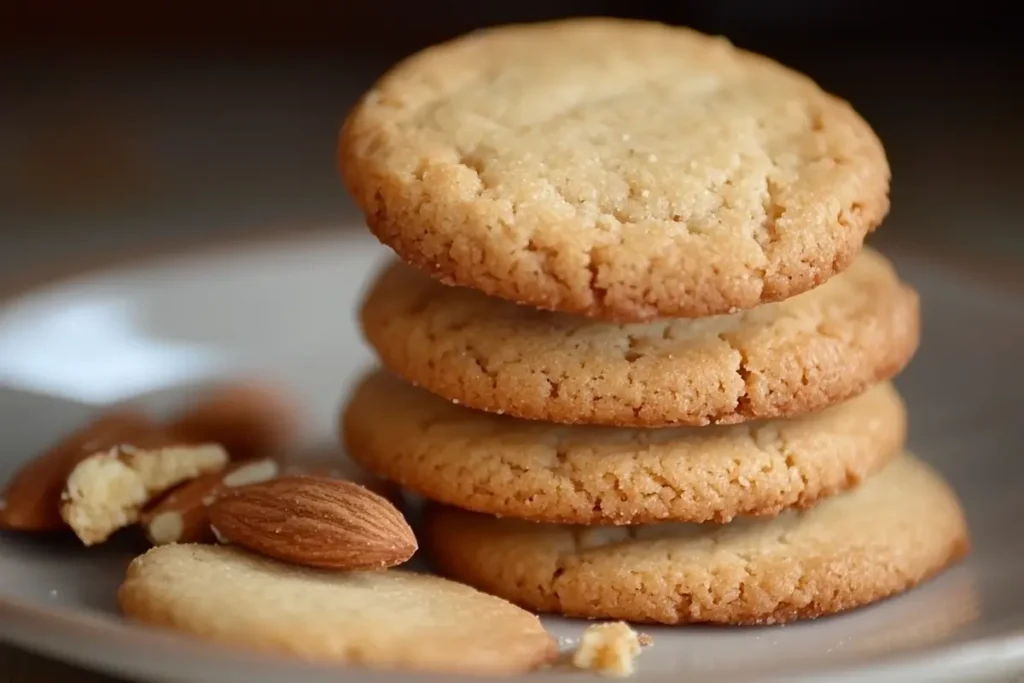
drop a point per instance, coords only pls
(386, 619)
(592, 475)
(621, 169)
(897, 529)
(777, 360)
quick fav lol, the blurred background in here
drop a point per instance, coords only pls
(152, 126)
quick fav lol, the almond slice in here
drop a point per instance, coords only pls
(316, 522)
(32, 496)
(107, 491)
(182, 516)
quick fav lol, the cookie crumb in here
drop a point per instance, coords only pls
(567, 644)
(608, 649)
(645, 639)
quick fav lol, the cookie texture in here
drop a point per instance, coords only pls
(897, 529)
(777, 360)
(589, 475)
(621, 169)
(387, 619)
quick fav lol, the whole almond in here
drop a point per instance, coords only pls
(249, 420)
(331, 463)
(314, 521)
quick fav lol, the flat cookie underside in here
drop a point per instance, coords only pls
(615, 169)
(898, 529)
(778, 360)
(389, 619)
(593, 475)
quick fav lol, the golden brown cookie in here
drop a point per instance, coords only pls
(776, 360)
(620, 169)
(897, 529)
(592, 475)
(382, 619)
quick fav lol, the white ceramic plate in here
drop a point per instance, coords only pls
(286, 311)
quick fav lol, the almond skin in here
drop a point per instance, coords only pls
(250, 420)
(314, 521)
(183, 515)
(31, 499)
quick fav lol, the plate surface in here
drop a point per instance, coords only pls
(286, 311)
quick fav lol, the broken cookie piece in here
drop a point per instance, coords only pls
(108, 490)
(608, 649)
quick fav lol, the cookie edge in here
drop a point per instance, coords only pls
(543, 600)
(403, 231)
(902, 321)
(352, 429)
(133, 602)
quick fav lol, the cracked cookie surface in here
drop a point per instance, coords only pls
(618, 169)
(900, 527)
(777, 360)
(591, 475)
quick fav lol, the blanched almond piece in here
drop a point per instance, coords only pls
(107, 491)
(250, 420)
(32, 496)
(182, 517)
(314, 521)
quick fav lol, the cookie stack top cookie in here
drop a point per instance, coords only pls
(616, 169)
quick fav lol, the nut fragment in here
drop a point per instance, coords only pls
(314, 521)
(251, 421)
(108, 490)
(607, 649)
(32, 495)
(182, 517)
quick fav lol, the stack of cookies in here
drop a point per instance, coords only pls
(636, 355)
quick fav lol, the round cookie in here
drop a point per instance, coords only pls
(622, 169)
(593, 475)
(776, 360)
(387, 619)
(897, 529)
